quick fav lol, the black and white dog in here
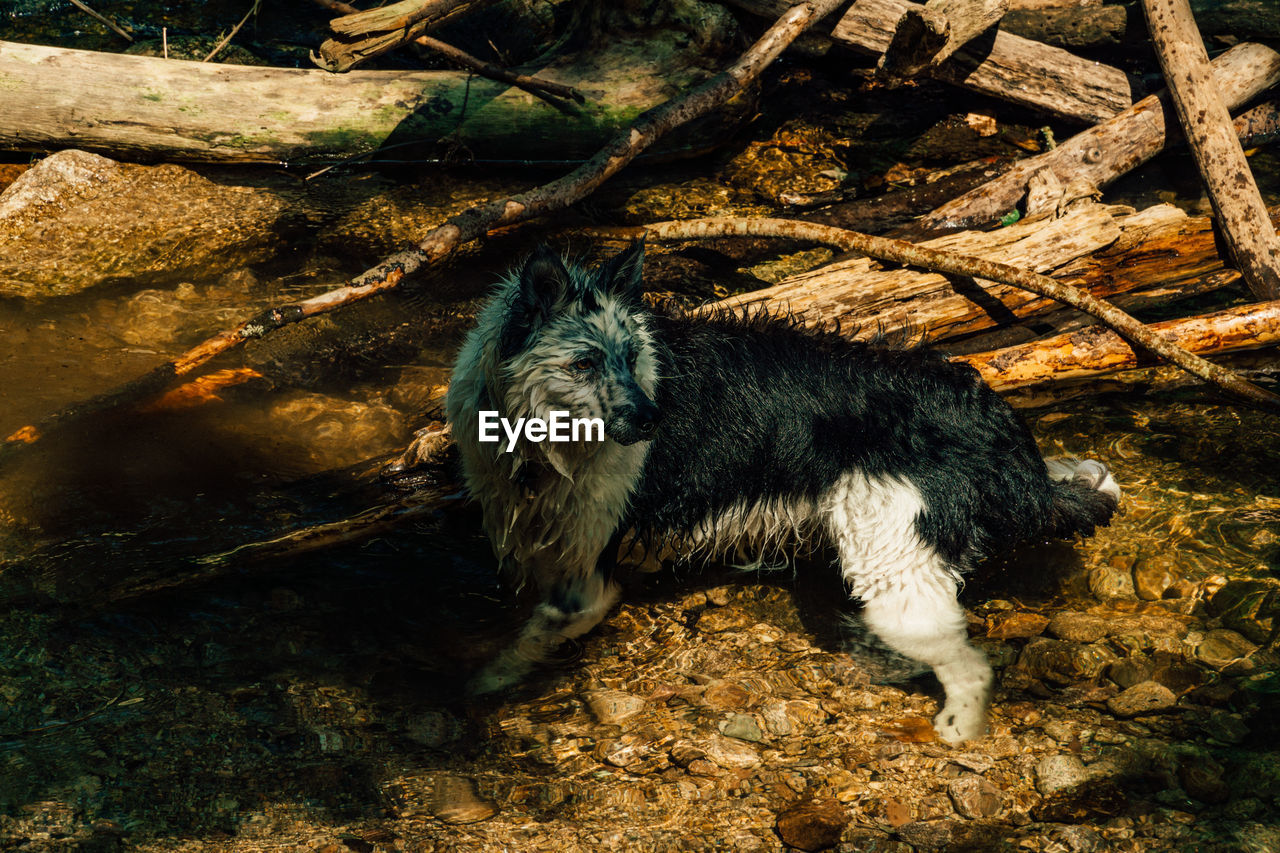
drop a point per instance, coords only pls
(728, 430)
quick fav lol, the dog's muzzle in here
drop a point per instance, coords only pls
(633, 424)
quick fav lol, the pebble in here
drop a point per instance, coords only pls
(722, 619)
(1012, 625)
(1226, 727)
(456, 800)
(813, 824)
(1058, 773)
(742, 727)
(1078, 627)
(612, 706)
(720, 595)
(1131, 670)
(1153, 576)
(1142, 698)
(927, 834)
(1243, 606)
(776, 719)
(1064, 662)
(1222, 647)
(725, 695)
(731, 753)
(1078, 839)
(1202, 780)
(975, 797)
(1107, 583)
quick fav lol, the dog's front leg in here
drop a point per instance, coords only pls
(923, 620)
(571, 607)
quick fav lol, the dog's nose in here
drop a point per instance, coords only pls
(647, 418)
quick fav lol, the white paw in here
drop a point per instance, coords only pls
(955, 726)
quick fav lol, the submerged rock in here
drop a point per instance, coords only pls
(1058, 773)
(813, 824)
(1143, 698)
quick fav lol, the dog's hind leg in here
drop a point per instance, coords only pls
(909, 594)
(569, 609)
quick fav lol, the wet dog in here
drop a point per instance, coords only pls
(724, 431)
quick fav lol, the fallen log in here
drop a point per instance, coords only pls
(926, 36)
(1095, 350)
(153, 108)
(1007, 66)
(1206, 123)
(1101, 154)
(359, 36)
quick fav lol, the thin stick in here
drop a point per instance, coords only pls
(532, 85)
(252, 9)
(1245, 226)
(102, 18)
(468, 225)
(897, 251)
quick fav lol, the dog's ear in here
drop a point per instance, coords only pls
(544, 282)
(543, 289)
(622, 274)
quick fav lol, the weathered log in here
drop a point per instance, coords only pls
(154, 108)
(1259, 125)
(1009, 67)
(1070, 26)
(1103, 153)
(364, 35)
(1206, 123)
(1095, 350)
(927, 35)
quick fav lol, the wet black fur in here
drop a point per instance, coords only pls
(756, 407)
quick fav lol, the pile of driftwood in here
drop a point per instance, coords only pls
(1067, 250)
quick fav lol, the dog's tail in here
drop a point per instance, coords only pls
(1085, 495)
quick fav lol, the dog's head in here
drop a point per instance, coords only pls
(577, 340)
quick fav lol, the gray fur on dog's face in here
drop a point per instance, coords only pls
(577, 342)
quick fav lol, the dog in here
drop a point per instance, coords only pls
(745, 429)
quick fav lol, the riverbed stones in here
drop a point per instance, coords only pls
(730, 753)
(1077, 627)
(742, 727)
(1223, 647)
(1015, 625)
(612, 706)
(1058, 773)
(974, 797)
(813, 824)
(1146, 697)
(1153, 576)
(1063, 662)
(1248, 606)
(456, 800)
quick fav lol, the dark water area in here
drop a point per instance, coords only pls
(180, 669)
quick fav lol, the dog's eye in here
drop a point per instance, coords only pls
(582, 365)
